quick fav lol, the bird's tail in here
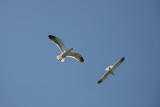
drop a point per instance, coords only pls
(60, 58)
(112, 73)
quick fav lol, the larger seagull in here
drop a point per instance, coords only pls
(110, 70)
(64, 51)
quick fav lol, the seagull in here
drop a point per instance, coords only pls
(110, 70)
(64, 51)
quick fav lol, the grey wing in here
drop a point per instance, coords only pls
(76, 56)
(103, 77)
(118, 63)
(58, 42)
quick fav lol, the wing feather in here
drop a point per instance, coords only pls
(58, 42)
(76, 56)
(118, 63)
(103, 77)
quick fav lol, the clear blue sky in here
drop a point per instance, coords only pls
(102, 31)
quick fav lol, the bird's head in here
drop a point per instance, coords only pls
(71, 49)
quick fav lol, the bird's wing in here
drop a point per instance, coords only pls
(58, 42)
(118, 63)
(76, 56)
(103, 77)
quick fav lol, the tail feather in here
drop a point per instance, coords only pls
(60, 58)
(112, 73)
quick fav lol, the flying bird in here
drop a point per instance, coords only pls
(64, 51)
(110, 70)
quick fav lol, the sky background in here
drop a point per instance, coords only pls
(103, 31)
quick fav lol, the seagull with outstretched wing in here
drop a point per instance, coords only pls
(110, 70)
(64, 51)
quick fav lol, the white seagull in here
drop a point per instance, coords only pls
(110, 70)
(64, 51)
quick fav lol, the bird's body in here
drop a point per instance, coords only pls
(110, 70)
(64, 51)
(63, 55)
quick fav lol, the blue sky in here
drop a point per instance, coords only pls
(102, 31)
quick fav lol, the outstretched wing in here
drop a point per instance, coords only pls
(76, 56)
(103, 77)
(58, 42)
(118, 63)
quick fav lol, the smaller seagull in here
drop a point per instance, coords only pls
(64, 51)
(110, 70)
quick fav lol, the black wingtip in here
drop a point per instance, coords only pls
(51, 36)
(100, 81)
(122, 59)
(81, 59)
